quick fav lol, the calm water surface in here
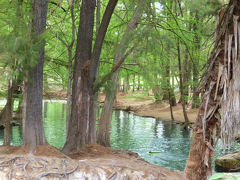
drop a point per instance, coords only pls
(129, 132)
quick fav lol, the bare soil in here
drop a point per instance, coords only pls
(149, 108)
(93, 162)
(142, 107)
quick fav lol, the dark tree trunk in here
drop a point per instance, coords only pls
(82, 124)
(32, 122)
(82, 92)
(126, 84)
(139, 83)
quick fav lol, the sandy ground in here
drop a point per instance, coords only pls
(148, 108)
(144, 107)
(94, 162)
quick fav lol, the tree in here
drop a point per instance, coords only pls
(220, 90)
(33, 133)
(103, 135)
(82, 124)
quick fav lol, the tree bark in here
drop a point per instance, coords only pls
(81, 130)
(32, 122)
(217, 93)
(70, 69)
(183, 98)
(103, 136)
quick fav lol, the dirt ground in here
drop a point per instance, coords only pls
(149, 108)
(142, 107)
(94, 162)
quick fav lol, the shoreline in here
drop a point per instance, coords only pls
(149, 108)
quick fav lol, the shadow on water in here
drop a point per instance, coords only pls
(129, 132)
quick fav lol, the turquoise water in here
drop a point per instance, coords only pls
(129, 132)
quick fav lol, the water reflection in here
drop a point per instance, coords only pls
(129, 132)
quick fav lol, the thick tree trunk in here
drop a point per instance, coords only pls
(198, 165)
(216, 86)
(82, 92)
(81, 129)
(32, 122)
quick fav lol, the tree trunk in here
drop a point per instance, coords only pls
(70, 70)
(183, 98)
(195, 101)
(32, 122)
(198, 165)
(8, 112)
(216, 86)
(170, 92)
(69, 89)
(81, 129)
(103, 136)
(82, 93)
(126, 84)
(139, 83)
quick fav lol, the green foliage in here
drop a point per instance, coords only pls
(18, 49)
(154, 59)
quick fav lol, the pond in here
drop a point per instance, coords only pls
(129, 132)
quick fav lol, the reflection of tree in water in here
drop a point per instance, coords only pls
(168, 129)
(45, 109)
(63, 110)
(185, 133)
(134, 122)
(118, 123)
(155, 127)
(125, 121)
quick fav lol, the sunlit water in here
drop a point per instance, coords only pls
(129, 132)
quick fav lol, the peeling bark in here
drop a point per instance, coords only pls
(217, 88)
